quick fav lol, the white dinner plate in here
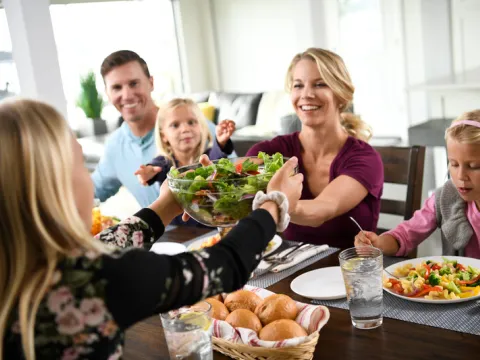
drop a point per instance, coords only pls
(321, 284)
(168, 248)
(272, 245)
(462, 260)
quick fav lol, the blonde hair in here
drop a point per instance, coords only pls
(466, 134)
(334, 73)
(40, 223)
(163, 148)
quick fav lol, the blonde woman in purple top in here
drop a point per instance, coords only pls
(453, 208)
(343, 175)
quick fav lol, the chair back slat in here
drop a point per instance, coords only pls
(403, 165)
(394, 207)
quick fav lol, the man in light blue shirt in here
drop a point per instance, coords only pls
(128, 85)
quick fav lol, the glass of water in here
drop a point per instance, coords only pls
(188, 332)
(362, 269)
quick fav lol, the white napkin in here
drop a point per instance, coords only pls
(297, 258)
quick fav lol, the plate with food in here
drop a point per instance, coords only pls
(101, 222)
(208, 241)
(434, 279)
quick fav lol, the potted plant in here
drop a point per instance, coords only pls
(92, 103)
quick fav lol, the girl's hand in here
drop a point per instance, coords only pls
(224, 131)
(146, 172)
(367, 238)
(284, 182)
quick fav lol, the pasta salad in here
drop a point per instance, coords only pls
(435, 280)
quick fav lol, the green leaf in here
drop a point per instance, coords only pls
(248, 165)
(89, 100)
(77, 278)
(225, 166)
(89, 291)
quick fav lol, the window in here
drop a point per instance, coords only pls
(85, 33)
(9, 84)
(370, 42)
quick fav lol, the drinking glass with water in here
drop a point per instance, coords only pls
(362, 269)
(188, 332)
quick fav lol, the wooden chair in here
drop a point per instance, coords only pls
(403, 165)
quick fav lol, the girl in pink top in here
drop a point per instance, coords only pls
(453, 208)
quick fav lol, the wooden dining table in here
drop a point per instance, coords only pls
(395, 339)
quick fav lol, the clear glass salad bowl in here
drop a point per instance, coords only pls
(221, 194)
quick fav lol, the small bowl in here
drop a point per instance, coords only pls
(219, 203)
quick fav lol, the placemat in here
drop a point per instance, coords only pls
(463, 317)
(271, 278)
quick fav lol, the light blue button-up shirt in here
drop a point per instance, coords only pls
(124, 153)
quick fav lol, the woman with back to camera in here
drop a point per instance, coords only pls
(64, 295)
(343, 175)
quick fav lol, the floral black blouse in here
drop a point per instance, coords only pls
(94, 299)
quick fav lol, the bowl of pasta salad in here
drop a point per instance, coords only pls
(434, 279)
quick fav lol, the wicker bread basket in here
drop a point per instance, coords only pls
(301, 351)
(246, 352)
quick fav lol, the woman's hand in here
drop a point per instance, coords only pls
(224, 131)
(284, 182)
(166, 206)
(147, 172)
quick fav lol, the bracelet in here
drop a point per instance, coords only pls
(282, 202)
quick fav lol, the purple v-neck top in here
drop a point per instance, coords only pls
(356, 159)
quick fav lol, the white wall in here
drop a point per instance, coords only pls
(257, 39)
(198, 53)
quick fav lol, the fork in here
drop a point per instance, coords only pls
(358, 225)
(292, 250)
(284, 259)
(273, 263)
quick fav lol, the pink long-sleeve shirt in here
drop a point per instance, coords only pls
(411, 233)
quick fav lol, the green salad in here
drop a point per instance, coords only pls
(222, 193)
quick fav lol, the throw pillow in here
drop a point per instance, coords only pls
(208, 110)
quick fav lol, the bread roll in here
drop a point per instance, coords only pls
(276, 307)
(217, 297)
(281, 330)
(245, 319)
(219, 310)
(242, 299)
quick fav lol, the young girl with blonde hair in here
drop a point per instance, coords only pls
(182, 135)
(343, 174)
(453, 208)
(64, 295)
